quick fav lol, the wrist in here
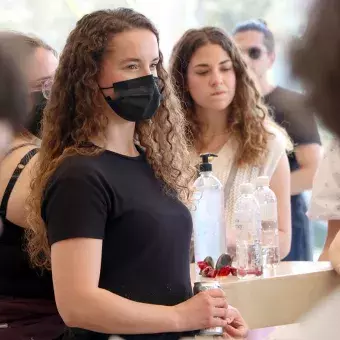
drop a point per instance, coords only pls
(176, 318)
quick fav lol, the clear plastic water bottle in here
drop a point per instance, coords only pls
(270, 232)
(208, 214)
(248, 234)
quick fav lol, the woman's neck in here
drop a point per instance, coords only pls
(212, 122)
(213, 130)
(119, 137)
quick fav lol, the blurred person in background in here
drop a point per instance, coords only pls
(288, 108)
(108, 205)
(316, 63)
(27, 307)
(13, 94)
(226, 117)
(325, 200)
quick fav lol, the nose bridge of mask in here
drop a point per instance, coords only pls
(136, 92)
(135, 87)
(135, 83)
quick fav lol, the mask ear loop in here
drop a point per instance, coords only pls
(105, 88)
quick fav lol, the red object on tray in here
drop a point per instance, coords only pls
(208, 271)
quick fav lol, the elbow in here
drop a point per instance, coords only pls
(309, 176)
(73, 312)
(284, 250)
(71, 316)
(70, 320)
(285, 243)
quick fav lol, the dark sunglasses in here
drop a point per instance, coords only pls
(254, 53)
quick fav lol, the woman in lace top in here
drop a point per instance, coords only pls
(226, 116)
(325, 202)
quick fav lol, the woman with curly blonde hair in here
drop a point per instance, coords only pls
(111, 188)
(226, 116)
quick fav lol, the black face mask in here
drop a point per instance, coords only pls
(33, 124)
(135, 99)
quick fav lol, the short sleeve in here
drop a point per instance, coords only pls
(303, 129)
(294, 115)
(76, 204)
(325, 201)
(277, 144)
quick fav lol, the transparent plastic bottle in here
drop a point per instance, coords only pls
(208, 214)
(270, 232)
(248, 234)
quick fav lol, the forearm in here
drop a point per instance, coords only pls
(301, 180)
(104, 312)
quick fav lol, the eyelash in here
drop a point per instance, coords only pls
(206, 72)
(135, 67)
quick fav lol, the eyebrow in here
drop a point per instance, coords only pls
(206, 65)
(136, 60)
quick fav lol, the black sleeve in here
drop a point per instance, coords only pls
(298, 119)
(76, 204)
(303, 129)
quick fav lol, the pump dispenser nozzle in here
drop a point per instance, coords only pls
(205, 165)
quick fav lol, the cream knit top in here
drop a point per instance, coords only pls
(223, 163)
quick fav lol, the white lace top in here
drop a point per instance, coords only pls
(223, 164)
(325, 201)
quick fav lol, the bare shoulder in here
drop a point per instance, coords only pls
(16, 211)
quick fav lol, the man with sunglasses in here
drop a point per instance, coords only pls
(257, 45)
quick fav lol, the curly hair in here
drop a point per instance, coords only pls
(315, 61)
(248, 114)
(69, 119)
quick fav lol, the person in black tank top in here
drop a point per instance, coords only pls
(111, 188)
(27, 306)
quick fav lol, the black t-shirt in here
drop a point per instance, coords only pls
(146, 232)
(290, 111)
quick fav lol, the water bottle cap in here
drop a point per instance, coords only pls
(247, 188)
(262, 181)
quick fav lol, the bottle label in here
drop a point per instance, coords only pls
(268, 212)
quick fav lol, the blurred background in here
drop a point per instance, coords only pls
(53, 20)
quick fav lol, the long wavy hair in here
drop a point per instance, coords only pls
(246, 119)
(69, 120)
